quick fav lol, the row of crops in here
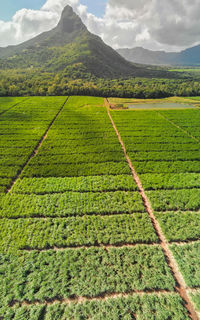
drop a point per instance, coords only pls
(76, 240)
(170, 185)
(21, 129)
(9, 103)
(164, 149)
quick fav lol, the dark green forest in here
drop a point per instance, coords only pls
(76, 81)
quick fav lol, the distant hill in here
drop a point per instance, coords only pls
(188, 57)
(70, 46)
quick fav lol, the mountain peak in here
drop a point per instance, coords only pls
(67, 47)
(70, 21)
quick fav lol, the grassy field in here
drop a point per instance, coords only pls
(99, 208)
(187, 69)
(155, 104)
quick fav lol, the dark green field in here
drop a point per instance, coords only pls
(87, 235)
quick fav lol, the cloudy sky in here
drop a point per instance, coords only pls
(170, 25)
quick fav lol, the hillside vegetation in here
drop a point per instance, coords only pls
(71, 60)
(71, 46)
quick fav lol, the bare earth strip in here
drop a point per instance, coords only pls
(183, 243)
(63, 217)
(193, 290)
(181, 285)
(35, 151)
(97, 298)
(86, 247)
(108, 246)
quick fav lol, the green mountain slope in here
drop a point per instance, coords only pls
(70, 46)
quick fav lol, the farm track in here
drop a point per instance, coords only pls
(70, 216)
(13, 106)
(104, 214)
(35, 151)
(109, 246)
(86, 247)
(103, 191)
(194, 290)
(102, 297)
(63, 192)
(181, 287)
(183, 243)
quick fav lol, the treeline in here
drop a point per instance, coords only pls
(34, 83)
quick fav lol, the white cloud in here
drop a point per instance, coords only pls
(27, 23)
(57, 6)
(154, 24)
(169, 25)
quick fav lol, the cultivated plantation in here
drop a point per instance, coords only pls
(99, 211)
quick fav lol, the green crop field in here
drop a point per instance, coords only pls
(99, 211)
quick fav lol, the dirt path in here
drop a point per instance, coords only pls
(96, 246)
(181, 287)
(38, 146)
(102, 297)
(106, 247)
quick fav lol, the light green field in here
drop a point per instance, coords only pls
(190, 70)
(155, 104)
(76, 240)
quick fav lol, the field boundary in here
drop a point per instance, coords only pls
(13, 106)
(70, 216)
(110, 246)
(37, 147)
(82, 299)
(85, 192)
(104, 214)
(181, 287)
(184, 243)
(96, 246)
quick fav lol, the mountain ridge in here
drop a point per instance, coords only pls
(71, 46)
(188, 57)
(46, 37)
